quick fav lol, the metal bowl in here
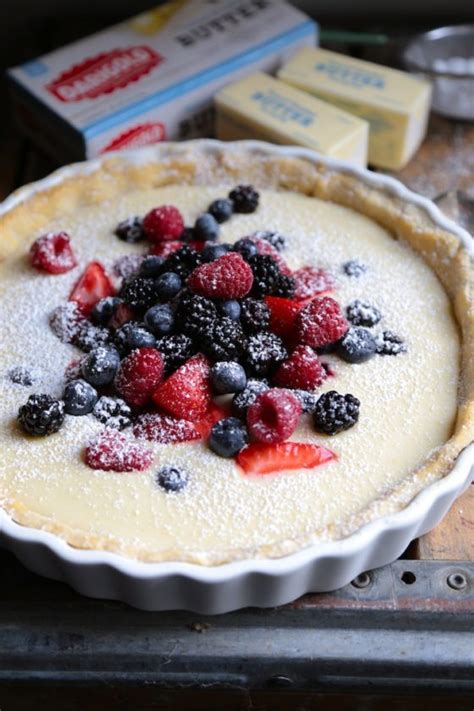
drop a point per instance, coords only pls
(445, 57)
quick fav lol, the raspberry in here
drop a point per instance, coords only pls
(165, 249)
(163, 223)
(274, 416)
(302, 370)
(187, 393)
(53, 253)
(139, 375)
(114, 451)
(321, 322)
(228, 277)
(164, 429)
(311, 282)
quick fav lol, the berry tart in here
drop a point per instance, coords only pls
(214, 353)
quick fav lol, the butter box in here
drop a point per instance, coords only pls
(266, 108)
(395, 104)
(153, 77)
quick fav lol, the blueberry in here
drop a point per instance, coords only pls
(230, 308)
(79, 397)
(104, 310)
(101, 365)
(160, 319)
(168, 285)
(172, 478)
(228, 377)
(354, 268)
(206, 228)
(357, 346)
(228, 437)
(139, 337)
(214, 251)
(221, 209)
(21, 376)
(151, 265)
(246, 247)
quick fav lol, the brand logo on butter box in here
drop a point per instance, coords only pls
(344, 74)
(282, 109)
(104, 73)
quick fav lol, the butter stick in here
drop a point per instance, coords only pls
(264, 108)
(395, 104)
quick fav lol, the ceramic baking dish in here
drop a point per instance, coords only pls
(260, 582)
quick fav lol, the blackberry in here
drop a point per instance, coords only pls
(182, 262)
(223, 339)
(140, 293)
(228, 437)
(221, 209)
(90, 336)
(127, 266)
(264, 352)
(268, 279)
(354, 268)
(362, 313)
(335, 413)
(276, 239)
(308, 400)
(172, 479)
(21, 375)
(388, 343)
(244, 198)
(194, 314)
(254, 315)
(130, 230)
(65, 321)
(357, 345)
(104, 310)
(175, 350)
(242, 401)
(113, 412)
(41, 415)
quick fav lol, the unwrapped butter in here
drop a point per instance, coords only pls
(265, 108)
(395, 104)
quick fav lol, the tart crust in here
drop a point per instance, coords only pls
(195, 164)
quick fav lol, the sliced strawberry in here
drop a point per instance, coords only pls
(311, 282)
(111, 450)
(164, 429)
(262, 458)
(92, 286)
(186, 394)
(283, 313)
(164, 249)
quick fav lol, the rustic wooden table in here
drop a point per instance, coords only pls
(400, 630)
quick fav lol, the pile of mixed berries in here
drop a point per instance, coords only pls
(203, 340)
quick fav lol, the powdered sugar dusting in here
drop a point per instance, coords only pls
(407, 402)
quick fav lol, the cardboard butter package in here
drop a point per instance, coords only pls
(153, 77)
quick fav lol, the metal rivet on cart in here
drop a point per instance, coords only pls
(362, 581)
(456, 581)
